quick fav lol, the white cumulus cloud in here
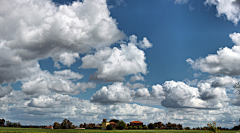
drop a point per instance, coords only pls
(114, 64)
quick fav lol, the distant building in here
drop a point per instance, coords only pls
(48, 127)
(104, 124)
(114, 125)
(136, 123)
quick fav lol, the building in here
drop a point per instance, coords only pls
(114, 125)
(104, 124)
(48, 127)
(136, 123)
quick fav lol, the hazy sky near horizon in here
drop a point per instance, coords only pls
(170, 61)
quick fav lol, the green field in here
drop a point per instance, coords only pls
(33, 130)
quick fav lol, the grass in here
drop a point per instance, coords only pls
(34, 130)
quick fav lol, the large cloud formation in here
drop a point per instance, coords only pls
(114, 64)
(56, 107)
(43, 82)
(37, 29)
(226, 61)
(209, 94)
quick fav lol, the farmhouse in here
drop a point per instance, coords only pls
(48, 127)
(136, 123)
(114, 125)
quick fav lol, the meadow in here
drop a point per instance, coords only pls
(34, 130)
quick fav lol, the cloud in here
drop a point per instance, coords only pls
(113, 94)
(136, 77)
(49, 29)
(5, 90)
(43, 82)
(114, 64)
(228, 8)
(47, 109)
(226, 61)
(180, 2)
(41, 29)
(65, 58)
(135, 85)
(191, 8)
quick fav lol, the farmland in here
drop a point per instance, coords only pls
(34, 130)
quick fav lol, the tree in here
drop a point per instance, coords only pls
(135, 127)
(129, 127)
(15, 124)
(140, 127)
(9, 123)
(19, 124)
(66, 124)
(2, 121)
(109, 127)
(114, 120)
(81, 125)
(151, 126)
(169, 125)
(121, 125)
(56, 125)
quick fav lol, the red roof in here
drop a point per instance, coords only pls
(112, 123)
(136, 122)
(48, 127)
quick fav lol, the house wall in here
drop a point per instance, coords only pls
(104, 125)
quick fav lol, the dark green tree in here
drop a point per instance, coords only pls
(109, 127)
(151, 126)
(66, 124)
(121, 125)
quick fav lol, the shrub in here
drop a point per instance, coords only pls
(129, 127)
(145, 127)
(135, 127)
(151, 126)
(213, 127)
(109, 127)
(140, 127)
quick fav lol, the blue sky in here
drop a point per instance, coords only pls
(141, 60)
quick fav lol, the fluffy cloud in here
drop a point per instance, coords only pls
(226, 61)
(114, 64)
(37, 29)
(113, 94)
(49, 29)
(136, 77)
(12, 67)
(65, 58)
(228, 8)
(43, 82)
(5, 90)
(209, 94)
(144, 44)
